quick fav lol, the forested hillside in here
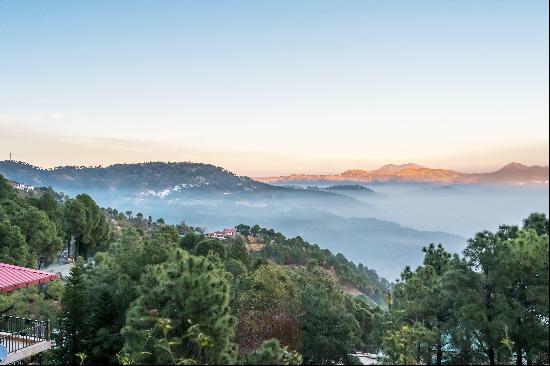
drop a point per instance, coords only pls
(144, 292)
(213, 197)
(138, 177)
(232, 305)
(296, 252)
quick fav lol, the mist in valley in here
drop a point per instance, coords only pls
(384, 229)
(457, 209)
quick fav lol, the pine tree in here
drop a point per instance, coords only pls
(211, 245)
(238, 251)
(485, 302)
(421, 301)
(329, 333)
(181, 315)
(538, 222)
(13, 248)
(526, 288)
(105, 339)
(72, 321)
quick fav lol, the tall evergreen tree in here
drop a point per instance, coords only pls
(73, 319)
(526, 290)
(329, 333)
(105, 340)
(538, 222)
(420, 300)
(86, 224)
(485, 254)
(238, 251)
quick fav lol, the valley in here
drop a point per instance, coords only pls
(383, 225)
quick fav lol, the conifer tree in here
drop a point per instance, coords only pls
(105, 340)
(329, 333)
(181, 315)
(213, 246)
(238, 251)
(72, 321)
(525, 276)
(13, 248)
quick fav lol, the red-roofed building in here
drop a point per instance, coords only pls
(21, 338)
(15, 277)
(227, 232)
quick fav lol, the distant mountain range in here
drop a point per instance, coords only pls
(210, 196)
(192, 182)
(384, 228)
(197, 176)
(514, 174)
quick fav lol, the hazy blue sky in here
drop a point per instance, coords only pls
(273, 87)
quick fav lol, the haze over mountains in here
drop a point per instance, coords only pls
(511, 174)
(384, 226)
(159, 175)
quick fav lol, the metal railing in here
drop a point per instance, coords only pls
(17, 333)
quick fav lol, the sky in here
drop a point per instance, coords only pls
(275, 87)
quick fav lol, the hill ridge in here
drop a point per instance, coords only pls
(511, 174)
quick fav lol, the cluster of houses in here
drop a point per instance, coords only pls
(225, 233)
(22, 187)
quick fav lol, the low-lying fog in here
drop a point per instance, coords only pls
(462, 210)
(385, 230)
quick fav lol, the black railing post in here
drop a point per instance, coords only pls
(48, 330)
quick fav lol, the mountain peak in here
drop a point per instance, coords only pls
(514, 166)
(355, 173)
(394, 168)
(511, 174)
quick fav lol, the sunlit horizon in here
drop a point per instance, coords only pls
(275, 88)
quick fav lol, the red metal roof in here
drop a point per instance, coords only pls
(15, 277)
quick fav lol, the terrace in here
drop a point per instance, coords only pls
(22, 338)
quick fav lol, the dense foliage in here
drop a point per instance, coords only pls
(33, 230)
(214, 303)
(298, 252)
(157, 293)
(490, 306)
(152, 293)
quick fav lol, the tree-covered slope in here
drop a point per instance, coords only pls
(156, 293)
(140, 177)
(356, 279)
